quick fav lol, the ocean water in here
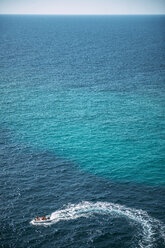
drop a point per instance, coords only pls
(82, 138)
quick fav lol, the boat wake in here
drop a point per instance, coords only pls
(151, 228)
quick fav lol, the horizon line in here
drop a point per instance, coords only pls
(46, 14)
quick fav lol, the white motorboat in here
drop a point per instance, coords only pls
(41, 220)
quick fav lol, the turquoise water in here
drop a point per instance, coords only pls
(82, 133)
(117, 135)
(95, 97)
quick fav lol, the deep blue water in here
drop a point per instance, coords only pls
(82, 134)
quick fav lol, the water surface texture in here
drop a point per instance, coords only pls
(82, 130)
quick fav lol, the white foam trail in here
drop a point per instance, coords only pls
(149, 226)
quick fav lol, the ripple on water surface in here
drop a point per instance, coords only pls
(82, 98)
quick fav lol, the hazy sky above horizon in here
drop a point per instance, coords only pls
(103, 7)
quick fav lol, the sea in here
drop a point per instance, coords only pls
(82, 131)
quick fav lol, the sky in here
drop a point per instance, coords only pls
(82, 7)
